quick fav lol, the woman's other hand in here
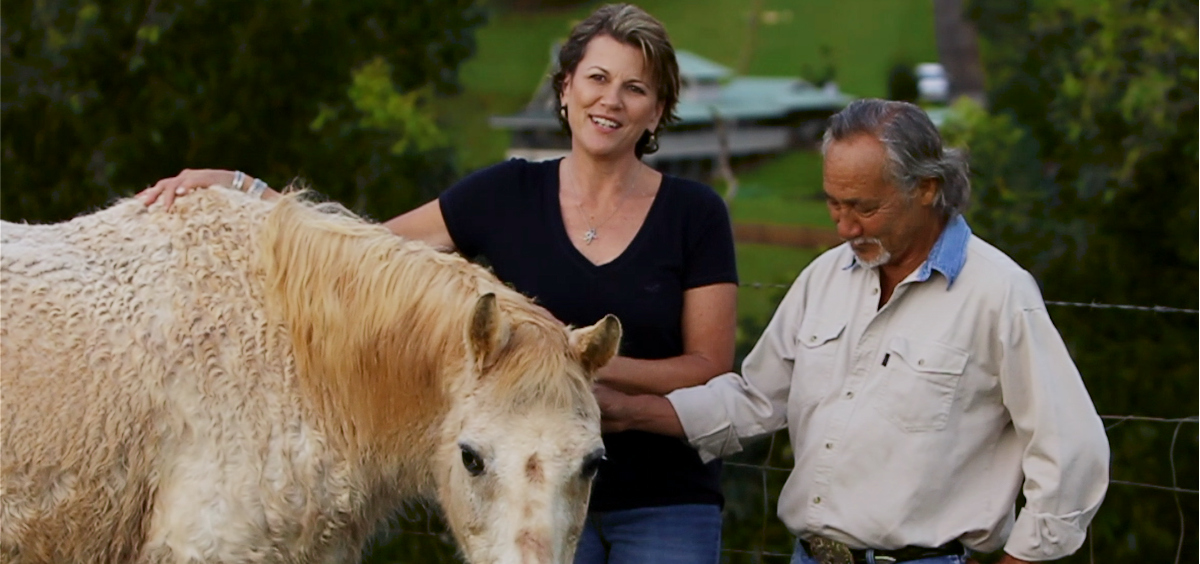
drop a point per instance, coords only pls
(620, 411)
(187, 181)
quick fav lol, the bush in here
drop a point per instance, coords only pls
(902, 83)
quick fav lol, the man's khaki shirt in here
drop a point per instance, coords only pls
(917, 422)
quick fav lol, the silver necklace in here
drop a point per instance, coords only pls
(593, 230)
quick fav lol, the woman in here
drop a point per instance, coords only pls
(599, 232)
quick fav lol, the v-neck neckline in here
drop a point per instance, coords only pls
(554, 207)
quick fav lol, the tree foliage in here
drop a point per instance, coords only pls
(101, 99)
(1085, 170)
(902, 83)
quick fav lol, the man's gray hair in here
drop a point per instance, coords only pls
(914, 148)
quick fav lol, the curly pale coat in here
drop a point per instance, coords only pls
(242, 381)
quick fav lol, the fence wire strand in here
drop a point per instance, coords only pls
(1092, 305)
(1175, 484)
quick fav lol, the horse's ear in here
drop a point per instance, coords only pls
(596, 345)
(488, 332)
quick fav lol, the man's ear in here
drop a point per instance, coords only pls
(927, 191)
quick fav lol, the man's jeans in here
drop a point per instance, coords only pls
(672, 534)
(801, 557)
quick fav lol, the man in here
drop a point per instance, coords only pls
(919, 375)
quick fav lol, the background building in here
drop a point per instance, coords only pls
(759, 115)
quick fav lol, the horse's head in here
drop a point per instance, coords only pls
(522, 443)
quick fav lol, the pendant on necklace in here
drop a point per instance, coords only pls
(589, 236)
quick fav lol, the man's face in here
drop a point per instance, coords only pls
(880, 223)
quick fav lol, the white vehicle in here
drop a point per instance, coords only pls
(932, 83)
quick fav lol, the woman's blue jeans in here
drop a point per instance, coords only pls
(672, 534)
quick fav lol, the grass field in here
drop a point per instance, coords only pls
(769, 266)
(785, 189)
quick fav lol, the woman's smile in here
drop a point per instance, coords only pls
(606, 124)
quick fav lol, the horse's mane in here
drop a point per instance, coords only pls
(375, 318)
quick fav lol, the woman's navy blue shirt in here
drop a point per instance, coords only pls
(509, 214)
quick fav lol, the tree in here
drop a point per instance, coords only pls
(958, 49)
(902, 83)
(1085, 170)
(101, 99)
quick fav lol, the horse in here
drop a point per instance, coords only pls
(236, 380)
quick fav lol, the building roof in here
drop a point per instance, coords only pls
(696, 68)
(709, 87)
(762, 97)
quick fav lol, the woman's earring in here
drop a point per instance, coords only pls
(562, 112)
(651, 144)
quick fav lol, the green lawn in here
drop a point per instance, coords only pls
(786, 189)
(764, 272)
(864, 38)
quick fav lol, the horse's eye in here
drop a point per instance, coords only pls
(591, 464)
(471, 460)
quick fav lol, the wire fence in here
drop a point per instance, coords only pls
(1112, 421)
(425, 525)
(1119, 418)
(782, 468)
(1092, 305)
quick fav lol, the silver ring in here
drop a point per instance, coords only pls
(257, 188)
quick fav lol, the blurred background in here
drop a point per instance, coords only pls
(1080, 117)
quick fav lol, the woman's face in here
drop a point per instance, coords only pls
(610, 99)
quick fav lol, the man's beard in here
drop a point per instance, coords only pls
(882, 258)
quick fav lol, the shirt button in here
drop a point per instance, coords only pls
(817, 499)
(812, 338)
(849, 394)
(921, 362)
(874, 291)
(829, 445)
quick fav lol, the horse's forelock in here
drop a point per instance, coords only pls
(536, 369)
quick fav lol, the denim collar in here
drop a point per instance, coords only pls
(947, 256)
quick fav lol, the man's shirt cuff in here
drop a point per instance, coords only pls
(1042, 536)
(704, 422)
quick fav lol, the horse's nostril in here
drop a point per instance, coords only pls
(534, 547)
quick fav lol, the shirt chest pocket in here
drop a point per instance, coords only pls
(816, 347)
(920, 384)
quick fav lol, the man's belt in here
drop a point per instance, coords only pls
(827, 551)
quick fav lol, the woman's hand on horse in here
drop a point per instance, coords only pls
(185, 183)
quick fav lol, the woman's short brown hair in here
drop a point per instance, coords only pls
(632, 26)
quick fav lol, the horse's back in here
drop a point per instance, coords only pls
(68, 340)
(128, 336)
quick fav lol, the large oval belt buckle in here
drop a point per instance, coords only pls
(828, 551)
